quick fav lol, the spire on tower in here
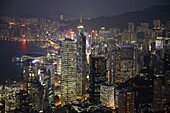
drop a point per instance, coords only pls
(81, 19)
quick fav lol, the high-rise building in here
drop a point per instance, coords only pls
(68, 71)
(36, 93)
(131, 35)
(107, 95)
(126, 101)
(49, 83)
(81, 64)
(80, 27)
(128, 37)
(23, 101)
(29, 73)
(167, 59)
(127, 62)
(131, 27)
(113, 62)
(9, 92)
(157, 95)
(97, 76)
(156, 24)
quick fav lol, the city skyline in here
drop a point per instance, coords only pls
(76, 8)
(53, 62)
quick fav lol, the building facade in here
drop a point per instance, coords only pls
(68, 71)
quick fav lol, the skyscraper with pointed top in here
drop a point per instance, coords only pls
(81, 59)
(80, 27)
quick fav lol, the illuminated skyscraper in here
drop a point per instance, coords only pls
(167, 57)
(126, 102)
(107, 95)
(156, 24)
(81, 59)
(68, 71)
(36, 93)
(113, 60)
(157, 95)
(48, 83)
(131, 27)
(29, 73)
(81, 64)
(97, 77)
(23, 101)
(80, 27)
(127, 62)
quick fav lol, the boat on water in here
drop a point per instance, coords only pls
(39, 57)
(20, 59)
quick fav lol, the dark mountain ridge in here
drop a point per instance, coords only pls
(144, 16)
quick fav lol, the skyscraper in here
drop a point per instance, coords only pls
(29, 73)
(127, 62)
(80, 27)
(81, 59)
(81, 64)
(68, 71)
(113, 60)
(126, 102)
(157, 95)
(107, 95)
(97, 76)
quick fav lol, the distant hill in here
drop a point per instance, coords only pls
(121, 21)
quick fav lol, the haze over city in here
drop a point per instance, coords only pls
(75, 8)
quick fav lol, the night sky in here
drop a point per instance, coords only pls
(76, 8)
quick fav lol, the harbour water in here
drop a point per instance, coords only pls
(8, 49)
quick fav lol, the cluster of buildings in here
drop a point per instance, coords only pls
(102, 71)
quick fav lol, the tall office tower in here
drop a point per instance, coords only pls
(95, 43)
(23, 101)
(157, 95)
(114, 31)
(127, 58)
(131, 35)
(2, 106)
(29, 73)
(47, 79)
(81, 64)
(9, 92)
(97, 77)
(80, 27)
(107, 95)
(36, 94)
(159, 29)
(49, 83)
(113, 59)
(68, 71)
(167, 58)
(126, 101)
(33, 87)
(144, 26)
(168, 27)
(166, 91)
(131, 27)
(94, 36)
(156, 24)
(103, 34)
